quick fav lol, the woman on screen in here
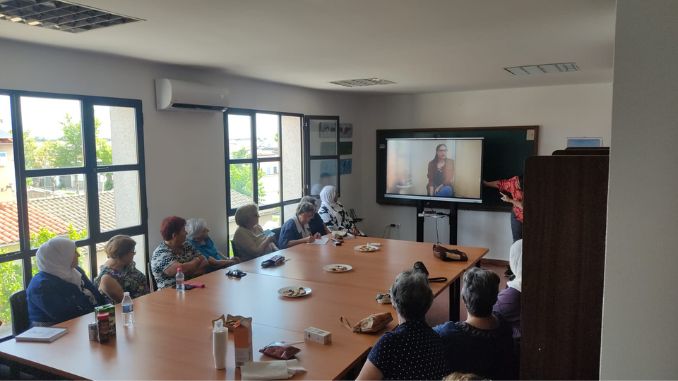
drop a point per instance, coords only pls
(440, 174)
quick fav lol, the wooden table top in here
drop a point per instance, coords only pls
(172, 336)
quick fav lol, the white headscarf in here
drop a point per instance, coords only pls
(327, 197)
(516, 263)
(55, 257)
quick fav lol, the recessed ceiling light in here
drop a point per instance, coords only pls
(362, 82)
(60, 15)
(562, 67)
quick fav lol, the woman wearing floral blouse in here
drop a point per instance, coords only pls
(119, 273)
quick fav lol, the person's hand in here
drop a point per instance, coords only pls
(269, 239)
(506, 198)
(438, 188)
(212, 261)
(234, 260)
(316, 236)
(310, 239)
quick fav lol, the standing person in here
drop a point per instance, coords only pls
(175, 252)
(512, 192)
(60, 290)
(316, 224)
(333, 213)
(197, 236)
(412, 351)
(440, 174)
(295, 231)
(119, 273)
(249, 240)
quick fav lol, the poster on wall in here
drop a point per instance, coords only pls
(345, 131)
(345, 148)
(327, 130)
(345, 166)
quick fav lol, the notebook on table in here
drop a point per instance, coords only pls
(42, 334)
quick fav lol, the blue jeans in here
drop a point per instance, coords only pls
(445, 191)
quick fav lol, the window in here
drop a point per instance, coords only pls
(322, 135)
(73, 167)
(263, 148)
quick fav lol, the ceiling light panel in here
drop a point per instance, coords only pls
(562, 67)
(362, 82)
(60, 15)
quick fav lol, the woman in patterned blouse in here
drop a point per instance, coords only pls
(119, 273)
(332, 212)
(175, 252)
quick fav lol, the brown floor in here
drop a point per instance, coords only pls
(439, 311)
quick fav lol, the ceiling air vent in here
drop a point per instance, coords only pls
(60, 15)
(363, 82)
(562, 67)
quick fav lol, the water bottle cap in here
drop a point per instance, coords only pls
(179, 268)
(125, 294)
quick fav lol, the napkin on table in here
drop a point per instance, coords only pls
(270, 370)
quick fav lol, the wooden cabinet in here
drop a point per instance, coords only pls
(563, 261)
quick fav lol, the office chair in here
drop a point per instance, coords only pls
(19, 307)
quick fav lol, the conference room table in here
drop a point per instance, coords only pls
(171, 337)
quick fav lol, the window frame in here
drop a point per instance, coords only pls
(308, 158)
(90, 170)
(254, 160)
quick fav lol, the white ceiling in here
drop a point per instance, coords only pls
(423, 46)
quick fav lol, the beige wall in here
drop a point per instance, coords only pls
(468, 168)
(640, 338)
(560, 111)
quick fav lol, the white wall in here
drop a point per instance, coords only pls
(184, 150)
(640, 338)
(560, 111)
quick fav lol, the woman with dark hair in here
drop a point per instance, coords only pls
(412, 351)
(440, 174)
(482, 344)
(119, 273)
(175, 252)
(295, 231)
(61, 290)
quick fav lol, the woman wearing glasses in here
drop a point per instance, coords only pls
(440, 174)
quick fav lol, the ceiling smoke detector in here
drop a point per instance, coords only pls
(60, 15)
(362, 82)
(563, 67)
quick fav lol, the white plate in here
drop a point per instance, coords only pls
(365, 248)
(337, 268)
(294, 291)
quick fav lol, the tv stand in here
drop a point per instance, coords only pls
(451, 218)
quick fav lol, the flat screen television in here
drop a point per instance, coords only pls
(435, 169)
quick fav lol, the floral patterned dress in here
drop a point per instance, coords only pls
(130, 279)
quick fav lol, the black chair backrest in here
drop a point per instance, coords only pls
(276, 235)
(234, 248)
(19, 306)
(152, 285)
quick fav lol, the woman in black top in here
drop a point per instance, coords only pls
(412, 351)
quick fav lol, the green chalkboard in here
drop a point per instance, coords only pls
(505, 150)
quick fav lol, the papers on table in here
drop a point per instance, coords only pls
(42, 334)
(321, 241)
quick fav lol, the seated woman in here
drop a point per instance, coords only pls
(412, 351)
(507, 307)
(482, 344)
(196, 232)
(249, 240)
(295, 231)
(60, 290)
(119, 273)
(175, 252)
(316, 225)
(333, 213)
(440, 174)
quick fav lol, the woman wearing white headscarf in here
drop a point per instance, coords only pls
(61, 290)
(332, 212)
(507, 307)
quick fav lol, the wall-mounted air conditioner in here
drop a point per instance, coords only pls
(175, 95)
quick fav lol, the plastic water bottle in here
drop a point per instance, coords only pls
(180, 280)
(127, 310)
